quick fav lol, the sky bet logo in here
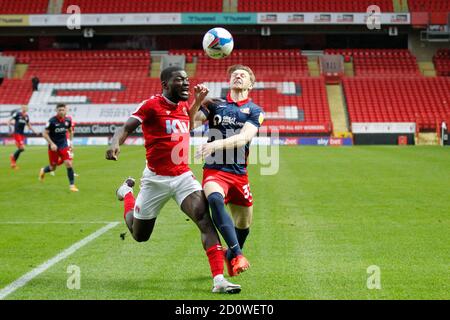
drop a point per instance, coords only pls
(176, 126)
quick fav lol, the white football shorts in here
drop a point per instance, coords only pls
(156, 190)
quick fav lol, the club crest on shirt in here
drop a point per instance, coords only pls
(168, 112)
(245, 110)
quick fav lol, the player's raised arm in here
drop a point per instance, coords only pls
(120, 136)
(196, 117)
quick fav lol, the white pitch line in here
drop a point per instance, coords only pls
(47, 264)
(55, 222)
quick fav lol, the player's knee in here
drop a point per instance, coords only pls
(204, 222)
(215, 199)
(243, 223)
(22, 148)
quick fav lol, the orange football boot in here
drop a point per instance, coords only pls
(231, 273)
(240, 264)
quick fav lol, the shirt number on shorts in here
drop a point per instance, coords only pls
(247, 193)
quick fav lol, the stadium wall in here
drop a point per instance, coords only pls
(383, 138)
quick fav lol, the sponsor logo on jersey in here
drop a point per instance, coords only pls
(176, 126)
(58, 130)
(245, 110)
(227, 120)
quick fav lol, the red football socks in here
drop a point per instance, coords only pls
(128, 202)
(215, 257)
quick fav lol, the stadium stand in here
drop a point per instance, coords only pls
(304, 103)
(133, 6)
(23, 6)
(386, 88)
(84, 66)
(132, 91)
(15, 91)
(312, 99)
(442, 62)
(129, 67)
(313, 6)
(285, 66)
(267, 64)
(380, 62)
(429, 5)
(425, 101)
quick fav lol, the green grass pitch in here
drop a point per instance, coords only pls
(328, 215)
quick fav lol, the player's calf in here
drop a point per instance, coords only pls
(141, 230)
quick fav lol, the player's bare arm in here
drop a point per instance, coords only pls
(71, 134)
(247, 133)
(46, 136)
(32, 129)
(196, 118)
(119, 138)
(11, 122)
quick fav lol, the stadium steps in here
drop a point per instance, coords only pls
(155, 69)
(190, 69)
(400, 5)
(427, 139)
(313, 66)
(337, 110)
(349, 71)
(427, 68)
(54, 6)
(230, 5)
(20, 70)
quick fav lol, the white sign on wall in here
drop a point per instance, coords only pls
(383, 127)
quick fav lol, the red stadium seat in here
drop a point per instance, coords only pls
(442, 62)
(131, 69)
(23, 7)
(134, 6)
(429, 5)
(312, 6)
(380, 62)
(414, 99)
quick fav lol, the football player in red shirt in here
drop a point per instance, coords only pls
(166, 127)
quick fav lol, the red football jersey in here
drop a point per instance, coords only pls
(165, 126)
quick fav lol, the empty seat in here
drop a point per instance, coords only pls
(312, 6)
(134, 6)
(425, 101)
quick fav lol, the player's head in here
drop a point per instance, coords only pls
(24, 108)
(61, 110)
(175, 83)
(241, 77)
